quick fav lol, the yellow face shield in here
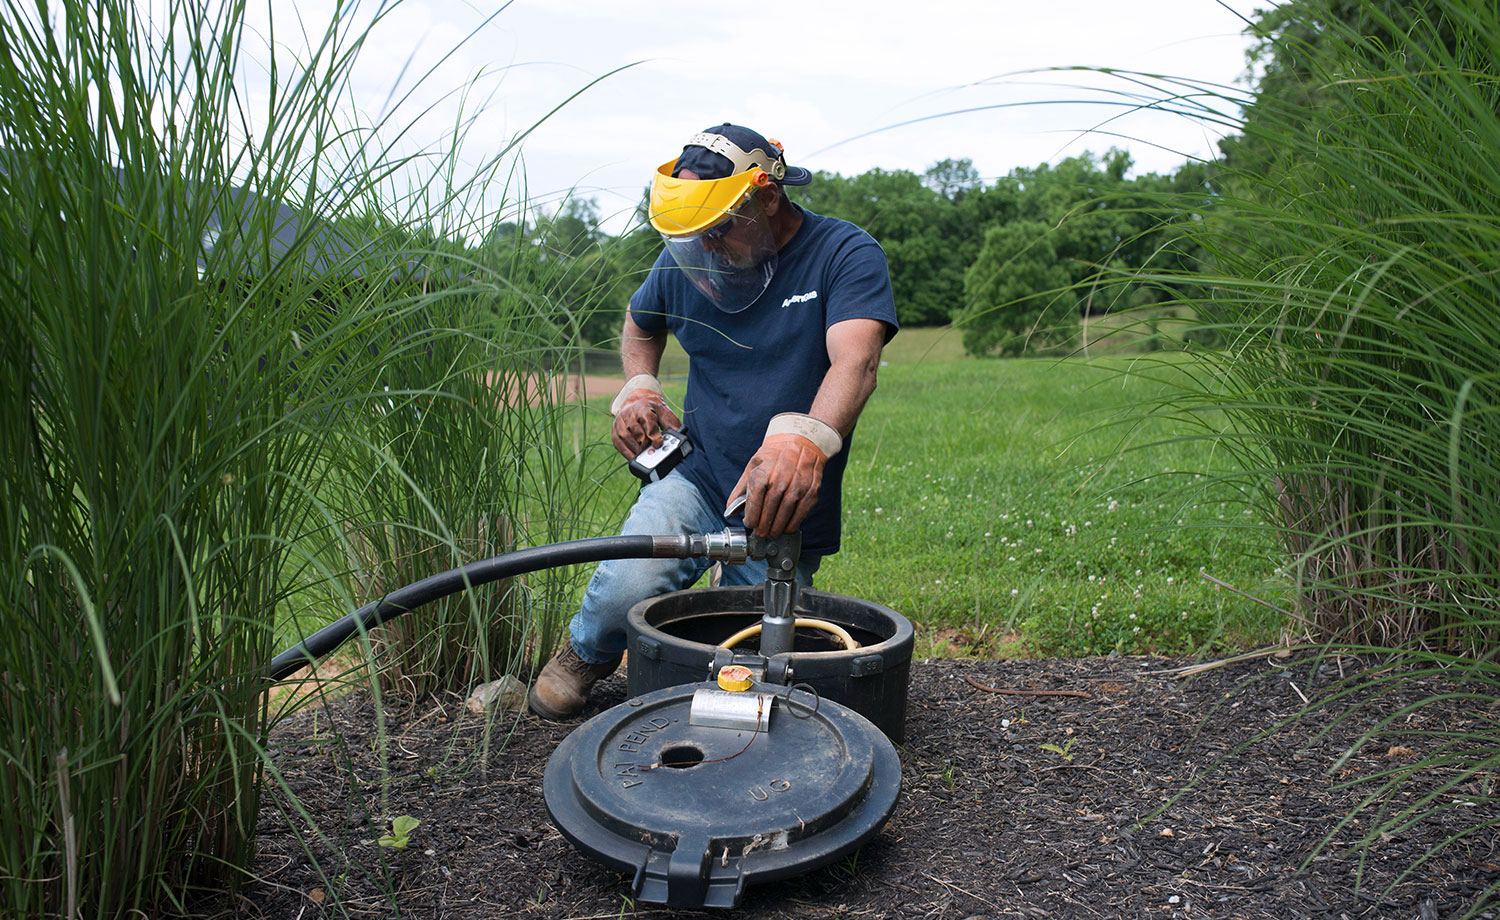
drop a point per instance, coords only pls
(716, 230)
(680, 207)
(684, 206)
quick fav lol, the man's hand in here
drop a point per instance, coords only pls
(781, 481)
(640, 416)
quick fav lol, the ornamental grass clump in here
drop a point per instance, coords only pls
(170, 380)
(464, 460)
(1351, 278)
(198, 330)
(1354, 287)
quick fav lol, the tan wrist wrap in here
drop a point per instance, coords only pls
(638, 382)
(817, 431)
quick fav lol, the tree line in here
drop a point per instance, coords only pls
(1009, 260)
(1014, 262)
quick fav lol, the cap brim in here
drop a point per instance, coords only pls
(795, 175)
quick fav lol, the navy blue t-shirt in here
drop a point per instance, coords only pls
(771, 358)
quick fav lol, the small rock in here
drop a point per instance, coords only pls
(507, 693)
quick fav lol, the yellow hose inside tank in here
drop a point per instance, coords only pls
(837, 631)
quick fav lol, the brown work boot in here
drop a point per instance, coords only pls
(564, 684)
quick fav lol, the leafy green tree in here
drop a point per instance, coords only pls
(953, 179)
(1292, 37)
(574, 274)
(570, 233)
(905, 217)
(934, 228)
(1115, 243)
(924, 223)
(1016, 292)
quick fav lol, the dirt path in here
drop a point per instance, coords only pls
(574, 388)
(990, 823)
(592, 387)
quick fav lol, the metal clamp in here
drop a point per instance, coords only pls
(729, 546)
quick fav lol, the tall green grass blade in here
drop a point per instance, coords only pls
(200, 328)
(1351, 290)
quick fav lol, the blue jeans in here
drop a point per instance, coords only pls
(673, 506)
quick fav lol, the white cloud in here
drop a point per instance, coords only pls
(829, 78)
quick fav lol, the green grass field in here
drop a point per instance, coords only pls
(1018, 508)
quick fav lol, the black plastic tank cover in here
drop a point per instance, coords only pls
(697, 812)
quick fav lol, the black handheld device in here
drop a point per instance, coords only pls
(653, 463)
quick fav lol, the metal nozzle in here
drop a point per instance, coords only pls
(733, 546)
(729, 546)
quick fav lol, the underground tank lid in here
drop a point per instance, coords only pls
(696, 802)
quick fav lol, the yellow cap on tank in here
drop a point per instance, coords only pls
(735, 677)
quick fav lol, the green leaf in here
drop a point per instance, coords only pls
(404, 825)
(401, 829)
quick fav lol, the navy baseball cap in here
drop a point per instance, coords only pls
(697, 157)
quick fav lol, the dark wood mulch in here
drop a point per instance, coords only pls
(990, 824)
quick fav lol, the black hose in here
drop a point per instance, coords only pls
(472, 575)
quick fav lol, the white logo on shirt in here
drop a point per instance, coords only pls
(799, 298)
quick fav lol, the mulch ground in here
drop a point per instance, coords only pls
(1171, 797)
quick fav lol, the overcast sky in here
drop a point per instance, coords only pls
(829, 78)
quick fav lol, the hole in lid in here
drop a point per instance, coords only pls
(681, 756)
